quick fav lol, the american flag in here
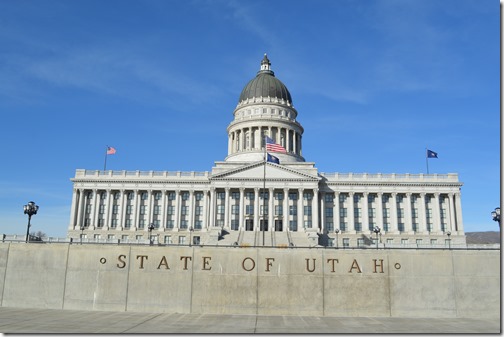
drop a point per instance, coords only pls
(272, 146)
(111, 150)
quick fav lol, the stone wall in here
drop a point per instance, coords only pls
(265, 281)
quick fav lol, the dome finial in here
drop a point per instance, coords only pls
(265, 63)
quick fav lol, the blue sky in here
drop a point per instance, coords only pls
(374, 83)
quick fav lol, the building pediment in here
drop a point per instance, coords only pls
(255, 171)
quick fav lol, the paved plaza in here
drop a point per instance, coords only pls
(27, 321)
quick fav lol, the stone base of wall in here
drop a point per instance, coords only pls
(242, 280)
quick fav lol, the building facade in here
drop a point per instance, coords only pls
(246, 201)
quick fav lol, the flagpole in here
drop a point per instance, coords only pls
(264, 188)
(105, 165)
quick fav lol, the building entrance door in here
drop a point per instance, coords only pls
(264, 225)
(249, 225)
(278, 225)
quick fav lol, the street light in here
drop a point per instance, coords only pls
(449, 240)
(496, 215)
(190, 235)
(336, 231)
(82, 233)
(377, 230)
(150, 228)
(30, 209)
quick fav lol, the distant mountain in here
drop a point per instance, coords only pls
(483, 237)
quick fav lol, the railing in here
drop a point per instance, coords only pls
(121, 174)
(452, 177)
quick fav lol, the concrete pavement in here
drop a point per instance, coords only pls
(27, 321)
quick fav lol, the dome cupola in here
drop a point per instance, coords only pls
(265, 84)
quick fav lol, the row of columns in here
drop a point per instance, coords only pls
(238, 139)
(209, 215)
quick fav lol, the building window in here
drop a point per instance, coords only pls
(139, 237)
(169, 224)
(279, 196)
(360, 242)
(235, 209)
(198, 210)
(433, 242)
(235, 195)
(127, 224)
(157, 195)
(103, 195)
(199, 196)
(157, 209)
(346, 242)
(183, 224)
(234, 225)
(264, 195)
(308, 224)
(278, 210)
(168, 239)
(329, 226)
(343, 212)
(141, 223)
(293, 225)
(170, 210)
(142, 209)
(124, 238)
(182, 240)
(418, 242)
(307, 196)
(249, 195)
(249, 209)
(110, 236)
(198, 224)
(221, 195)
(102, 209)
(390, 241)
(171, 195)
(329, 212)
(100, 223)
(144, 195)
(404, 241)
(292, 196)
(220, 209)
(264, 210)
(114, 223)
(329, 197)
(185, 210)
(115, 209)
(292, 210)
(117, 195)
(156, 223)
(307, 210)
(342, 198)
(131, 195)
(185, 195)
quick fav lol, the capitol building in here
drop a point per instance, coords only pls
(284, 201)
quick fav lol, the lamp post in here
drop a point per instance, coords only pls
(190, 235)
(449, 240)
(496, 215)
(336, 231)
(377, 230)
(150, 228)
(82, 233)
(30, 209)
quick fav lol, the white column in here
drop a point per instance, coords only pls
(365, 212)
(315, 209)
(150, 208)
(285, 216)
(176, 225)
(73, 223)
(451, 209)
(336, 214)
(322, 212)
(122, 210)
(108, 210)
(226, 208)
(458, 214)
(256, 209)
(136, 211)
(300, 210)
(211, 221)
(94, 212)
(190, 220)
(379, 210)
(81, 211)
(241, 212)
(408, 225)
(393, 213)
(351, 213)
(422, 222)
(436, 222)
(271, 210)
(164, 213)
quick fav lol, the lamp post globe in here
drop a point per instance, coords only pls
(30, 209)
(449, 240)
(496, 215)
(150, 228)
(190, 235)
(336, 231)
(377, 231)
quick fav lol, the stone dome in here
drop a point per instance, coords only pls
(265, 84)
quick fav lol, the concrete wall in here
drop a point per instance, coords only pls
(265, 281)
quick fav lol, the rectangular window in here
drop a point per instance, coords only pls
(264, 210)
(400, 212)
(414, 213)
(157, 195)
(390, 241)
(185, 195)
(235, 209)
(142, 209)
(404, 241)
(235, 195)
(371, 212)
(144, 195)
(141, 223)
(127, 224)
(342, 198)
(307, 210)
(292, 210)
(221, 195)
(168, 240)
(346, 242)
(139, 237)
(117, 195)
(360, 242)
(329, 212)
(102, 209)
(101, 222)
(182, 240)
(97, 236)
(278, 210)
(357, 212)
(170, 210)
(110, 236)
(183, 224)
(329, 197)
(329, 226)
(156, 223)
(293, 225)
(279, 196)
(249, 195)
(157, 209)
(115, 209)
(249, 209)
(433, 242)
(307, 196)
(264, 195)
(124, 238)
(199, 196)
(293, 196)
(371, 198)
(308, 224)
(184, 210)
(220, 209)
(386, 212)
(418, 241)
(343, 212)
(131, 195)
(114, 223)
(234, 224)
(103, 195)
(198, 224)
(170, 224)
(198, 210)
(171, 195)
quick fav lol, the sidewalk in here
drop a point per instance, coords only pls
(27, 321)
